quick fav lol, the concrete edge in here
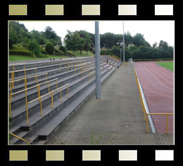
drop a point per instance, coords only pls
(145, 104)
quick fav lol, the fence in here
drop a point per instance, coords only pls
(40, 100)
(144, 110)
(26, 89)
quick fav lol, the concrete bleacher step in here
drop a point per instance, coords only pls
(54, 125)
(19, 99)
(58, 75)
(41, 74)
(36, 121)
(20, 112)
(41, 67)
(20, 66)
(24, 131)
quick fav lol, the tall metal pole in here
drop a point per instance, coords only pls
(120, 51)
(97, 61)
(123, 43)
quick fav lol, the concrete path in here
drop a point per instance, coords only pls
(116, 119)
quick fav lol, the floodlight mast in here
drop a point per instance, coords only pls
(123, 43)
(97, 61)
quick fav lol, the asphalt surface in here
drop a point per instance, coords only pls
(116, 119)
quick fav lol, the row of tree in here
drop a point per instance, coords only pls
(19, 34)
(135, 46)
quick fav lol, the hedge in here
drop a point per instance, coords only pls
(20, 52)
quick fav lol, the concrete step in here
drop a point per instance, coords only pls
(55, 124)
(42, 69)
(20, 112)
(46, 63)
(37, 121)
(58, 74)
(19, 100)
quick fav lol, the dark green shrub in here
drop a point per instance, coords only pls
(49, 48)
(20, 52)
(62, 48)
(105, 52)
(34, 47)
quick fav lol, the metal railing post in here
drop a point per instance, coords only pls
(46, 77)
(60, 94)
(51, 99)
(38, 90)
(12, 77)
(25, 82)
(166, 123)
(147, 123)
(27, 111)
(56, 83)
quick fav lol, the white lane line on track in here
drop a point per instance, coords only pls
(162, 76)
(156, 78)
(166, 71)
(153, 83)
(158, 93)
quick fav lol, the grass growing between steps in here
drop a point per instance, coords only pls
(25, 58)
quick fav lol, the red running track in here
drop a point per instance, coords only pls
(157, 85)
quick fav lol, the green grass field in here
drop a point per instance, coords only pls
(167, 65)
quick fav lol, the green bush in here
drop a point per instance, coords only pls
(105, 52)
(20, 52)
(49, 48)
(35, 48)
(62, 48)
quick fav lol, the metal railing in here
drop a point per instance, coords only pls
(15, 64)
(13, 74)
(40, 100)
(144, 110)
(20, 138)
(26, 89)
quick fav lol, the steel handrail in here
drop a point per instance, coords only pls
(20, 138)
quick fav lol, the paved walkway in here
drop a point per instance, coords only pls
(116, 119)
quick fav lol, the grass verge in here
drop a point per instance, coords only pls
(25, 58)
(167, 65)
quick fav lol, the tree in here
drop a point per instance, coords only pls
(49, 48)
(155, 45)
(163, 45)
(52, 36)
(33, 46)
(139, 40)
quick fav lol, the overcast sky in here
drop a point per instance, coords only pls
(153, 31)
